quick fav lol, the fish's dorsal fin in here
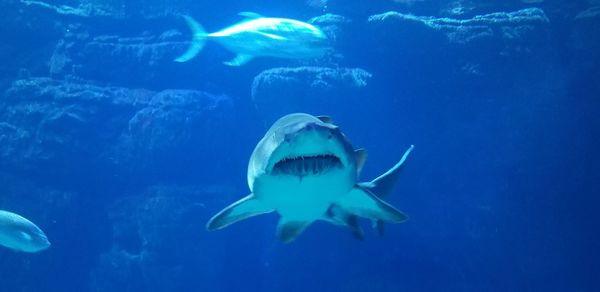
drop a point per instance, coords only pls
(250, 15)
(325, 119)
(361, 158)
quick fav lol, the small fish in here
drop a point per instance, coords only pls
(305, 169)
(260, 36)
(20, 234)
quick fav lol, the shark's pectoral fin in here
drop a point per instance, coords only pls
(336, 215)
(239, 60)
(288, 229)
(245, 208)
(362, 202)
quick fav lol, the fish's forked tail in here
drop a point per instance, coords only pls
(198, 40)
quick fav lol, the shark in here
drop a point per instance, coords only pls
(20, 234)
(306, 170)
(257, 36)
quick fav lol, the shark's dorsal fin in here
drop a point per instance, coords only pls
(361, 158)
(325, 119)
(250, 15)
(382, 186)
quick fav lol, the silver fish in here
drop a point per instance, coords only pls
(260, 36)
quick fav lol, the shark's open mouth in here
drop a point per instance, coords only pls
(307, 165)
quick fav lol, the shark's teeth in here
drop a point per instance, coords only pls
(307, 165)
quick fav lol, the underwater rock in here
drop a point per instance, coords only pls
(158, 243)
(24, 196)
(61, 127)
(459, 8)
(57, 128)
(280, 91)
(53, 211)
(92, 40)
(84, 9)
(331, 24)
(95, 8)
(27, 38)
(156, 219)
(181, 129)
(519, 25)
(507, 45)
(144, 60)
(117, 270)
(586, 40)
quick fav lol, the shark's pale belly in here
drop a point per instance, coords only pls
(303, 198)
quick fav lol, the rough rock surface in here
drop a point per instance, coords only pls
(308, 89)
(586, 40)
(60, 127)
(495, 49)
(156, 243)
(141, 60)
(94, 115)
(517, 26)
(331, 24)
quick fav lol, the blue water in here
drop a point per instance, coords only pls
(121, 155)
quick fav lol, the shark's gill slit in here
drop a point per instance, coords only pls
(302, 165)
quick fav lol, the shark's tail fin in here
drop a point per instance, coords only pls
(198, 40)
